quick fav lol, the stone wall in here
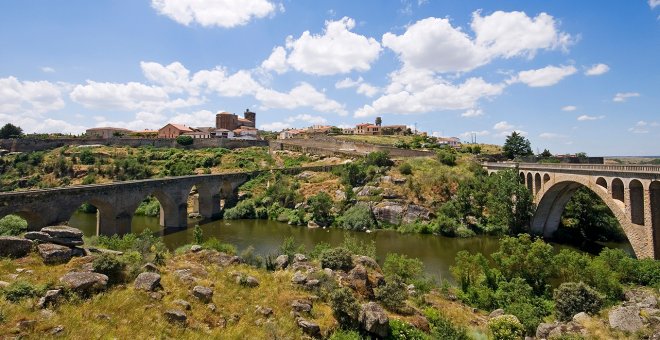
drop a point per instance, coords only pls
(334, 147)
(33, 144)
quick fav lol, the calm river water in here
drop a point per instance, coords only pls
(437, 252)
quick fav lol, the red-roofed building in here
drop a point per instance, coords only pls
(367, 129)
(173, 130)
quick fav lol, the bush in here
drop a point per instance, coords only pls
(12, 225)
(378, 158)
(393, 295)
(344, 308)
(19, 290)
(358, 247)
(320, 206)
(529, 315)
(198, 234)
(243, 210)
(337, 258)
(87, 157)
(505, 327)
(405, 169)
(442, 327)
(342, 334)
(403, 267)
(149, 207)
(401, 330)
(184, 140)
(215, 244)
(111, 266)
(447, 157)
(572, 298)
(357, 217)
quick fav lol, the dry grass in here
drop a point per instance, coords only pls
(320, 181)
(121, 312)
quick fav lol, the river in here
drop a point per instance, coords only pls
(436, 252)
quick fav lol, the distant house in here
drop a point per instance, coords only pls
(245, 133)
(290, 133)
(223, 133)
(145, 134)
(348, 131)
(197, 134)
(454, 142)
(173, 130)
(367, 129)
(106, 132)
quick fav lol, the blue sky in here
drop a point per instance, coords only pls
(573, 76)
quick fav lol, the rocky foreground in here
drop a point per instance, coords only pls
(53, 285)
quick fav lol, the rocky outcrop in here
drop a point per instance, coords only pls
(301, 306)
(390, 212)
(14, 247)
(50, 298)
(626, 318)
(148, 281)
(84, 283)
(299, 278)
(183, 303)
(416, 212)
(310, 328)
(176, 316)
(204, 294)
(374, 320)
(367, 190)
(358, 280)
(62, 235)
(281, 262)
(54, 253)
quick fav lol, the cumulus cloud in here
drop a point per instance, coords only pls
(597, 70)
(643, 126)
(303, 95)
(569, 108)
(47, 69)
(654, 3)
(315, 120)
(29, 97)
(503, 125)
(468, 134)
(276, 61)
(547, 76)
(434, 44)
(472, 113)
(39, 124)
(551, 135)
(622, 97)
(209, 13)
(361, 86)
(337, 50)
(583, 118)
(274, 126)
(504, 128)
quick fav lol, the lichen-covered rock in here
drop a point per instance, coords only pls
(54, 253)
(626, 319)
(148, 281)
(50, 298)
(183, 303)
(390, 212)
(196, 248)
(366, 261)
(496, 313)
(176, 316)
(299, 278)
(203, 293)
(358, 280)
(250, 281)
(84, 282)
(374, 320)
(299, 258)
(301, 306)
(14, 247)
(281, 262)
(62, 231)
(416, 212)
(310, 328)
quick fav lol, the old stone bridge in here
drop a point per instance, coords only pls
(632, 192)
(116, 202)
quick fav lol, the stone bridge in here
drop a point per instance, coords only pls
(116, 202)
(632, 192)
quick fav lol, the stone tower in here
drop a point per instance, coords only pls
(251, 116)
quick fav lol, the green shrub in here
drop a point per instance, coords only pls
(184, 140)
(357, 217)
(337, 258)
(90, 178)
(19, 290)
(393, 295)
(530, 315)
(111, 266)
(442, 327)
(320, 206)
(506, 327)
(149, 207)
(215, 244)
(378, 158)
(572, 298)
(345, 307)
(403, 267)
(318, 250)
(405, 169)
(249, 257)
(401, 330)
(243, 210)
(12, 225)
(447, 156)
(198, 234)
(342, 334)
(87, 157)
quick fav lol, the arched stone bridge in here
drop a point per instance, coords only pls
(632, 192)
(116, 202)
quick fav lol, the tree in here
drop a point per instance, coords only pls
(545, 154)
(184, 140)
(10, 131)
(516, 145)
(320, 206)
(379, 121)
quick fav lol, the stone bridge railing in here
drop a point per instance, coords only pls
(116, 202)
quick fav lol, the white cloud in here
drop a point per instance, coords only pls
(597, 70)
(274, 126)
(547, 76)
(362, 87)
(622, 97)
(467, 134)
(195, 119)
(503, 125)
(338, 50)
(315, 120)
(303, 95)
(29, 97)
(41, 125)
(583, 118)
(643, 126)
(276, 61)
(654, 3)
(569, 108)
(550, 135)
(47, 69)
(434, 44)
(503, 128)
(472, 113)
(173, 77)
(220, 13)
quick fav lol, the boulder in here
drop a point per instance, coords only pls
(496, 313)
(374, 320)
(37, 236)
(49, 298)
(299, 258)
(566, 330)
(105, 251)
(84, 282)
(358, 280)
(250, 281)
(265, 311)
(626, 319)
(301, 306)
(416, 212)
(281, 262)
(14, 247)
(299, 278)
(195, 248)
(312, 284)
(64, 235)
(367, 190)
(389, 194)
(150, 267)
(26, 324)
(340, 195)
(310, 328)
(175, 316)
(148, 281)
(312, 225)
(183, 303)
(581, 317)
(203, 293)
(54, 253)
(543, 330)
(390, 212)
(366, 261)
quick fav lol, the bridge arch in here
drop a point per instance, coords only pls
(546, 178)
(522, 178)
(530, 182)
(537, 182)
(553, 200)
(618, 191)
(602, 182)
(654, 196)
(636, 202)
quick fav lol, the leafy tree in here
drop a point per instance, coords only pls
(337, 258)
(447, 156)
(527, 259)
(378, 158)
(509, 203)
(581, 155)
(320, 206)
(10, 131)
(379, 121)
(345, 308)
(586, 217)
(401, 266)
(516, 146)
(572, 298)
(353, 174)
(545, 154)
(184, 140)
(357, 217)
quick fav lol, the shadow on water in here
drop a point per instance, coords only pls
(436, 252)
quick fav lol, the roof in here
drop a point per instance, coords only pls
(107, 128)
(224, 113)
(244, 120)
(367, 125)
(179, 127)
